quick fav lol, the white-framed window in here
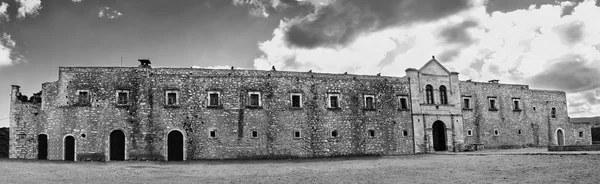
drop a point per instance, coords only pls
(369, 101)
(296, 100)
(580, 133)
(212, 133)
(403, 102)
(254, 99)
(405, 133)
(466, 102)
(214, 98)
(83, 96)
(492, 102)
(469, 132)
(333, 100)
(516, 103)
(254, 133)
(122, 97)
(297, 134)
(496, 132)
(171, 97)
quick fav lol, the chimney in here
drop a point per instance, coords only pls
(494, 81)
(144, 63)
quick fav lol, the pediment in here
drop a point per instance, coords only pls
(434, 67)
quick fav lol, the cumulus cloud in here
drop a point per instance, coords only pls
(541, 46)
(28, 8)
(76, 1)
(107, 12)
(8, 54)
(263, 8)
(3, 14)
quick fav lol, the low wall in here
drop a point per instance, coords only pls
(575, 148)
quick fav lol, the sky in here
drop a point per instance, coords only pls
(546, 44)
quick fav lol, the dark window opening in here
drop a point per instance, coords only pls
(580, 134)
(254, 134)
(493, 104)
(334, 133)
(443, 95)
(122, 98)
(171, 98)
(553, 112)
(404, 133)
(371, 133)
(254, 100)
(466, 103)
(403, 103)
(519, 132)
(84, 97)
(516, 105)
(83, 135)
(369, 102)
(469, 133)
(429, 94)
(296, 101)
(333, 102)
(213, 133)
(297, 134)
(496, 132)
(214, 99)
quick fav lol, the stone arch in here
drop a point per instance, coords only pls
(42, 146)
(439, 136)
(175, 145)
(560, 137)
(69, 148)
(117, 145)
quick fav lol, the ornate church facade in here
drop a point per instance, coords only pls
(145, 113)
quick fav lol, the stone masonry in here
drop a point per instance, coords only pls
(275, 114)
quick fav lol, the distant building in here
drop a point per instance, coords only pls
(145, 113)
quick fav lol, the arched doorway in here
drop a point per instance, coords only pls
(69, 148)
(560, 139)
(439, 136)
(175, 146)
(42, 147)
(117, 145)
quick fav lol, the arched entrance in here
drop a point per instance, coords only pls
(175, 146)
(439, 136)
(117, 145)
(560, 139)
(69, 148)
(42, 147)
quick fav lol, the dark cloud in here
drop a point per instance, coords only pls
(571, 75)
(458, 33)
(512, 5)
(448, 55)
(571, 33)
(339, 23)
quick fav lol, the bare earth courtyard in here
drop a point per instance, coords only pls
(430, 168)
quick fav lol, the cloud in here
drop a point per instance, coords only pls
(263, 8)
(3, 14)
(8, 54)
(28, 8)
(108, 13)
(76, 1)
(540, 46)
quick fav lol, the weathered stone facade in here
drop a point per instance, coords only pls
(165, 112)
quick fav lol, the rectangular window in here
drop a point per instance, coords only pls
(297, 134)
(334, 133)
(403, 102)
(369, 101)
(296, 99)
(254, 99)
(83, 97)
(371, 133)
(333, 101)
(469, 133)
(516, 104)
(496, 133)
(404, 133)
(492, 101)
(254, 133)
(580, 134)
(122, 97)
(466, 103)
(171, 98)
(213, 98)
(213, 133)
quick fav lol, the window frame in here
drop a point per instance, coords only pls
(429, 97)
(300, 105)
(337, 133)
(250, 93)
(443, 95)
(469, 132)
(365, 104)
(167, 92)
(371, 133)
(209, 99)
(252, 132)
(338, 96)
(496, 132)
(211, 131)
(299, 134)
(517, 105)
(88, 101)
(118, 99)
(400, 104)
(553, 113)
(492, 106)
(466, 103)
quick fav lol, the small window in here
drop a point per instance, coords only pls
(369, 101)
(404, 133)
(213, 98)
(213, 133)
(334, 133)
(429, 94)
(466, 103)
(297, 134)
(492, 104)
(296, 99)
(371, 133)
(254, 99)
(469, 133)
(254, 134)
(171, 97)
(516, 104)
(403, 102)
(533, 108)
(333, 101)
(553, 112)
(519, 132)
(83, 97)
(122, 97)
(496, 133)
(580, 134)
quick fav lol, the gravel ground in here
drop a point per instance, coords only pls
(431, 168)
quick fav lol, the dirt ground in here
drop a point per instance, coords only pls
(429, 168)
